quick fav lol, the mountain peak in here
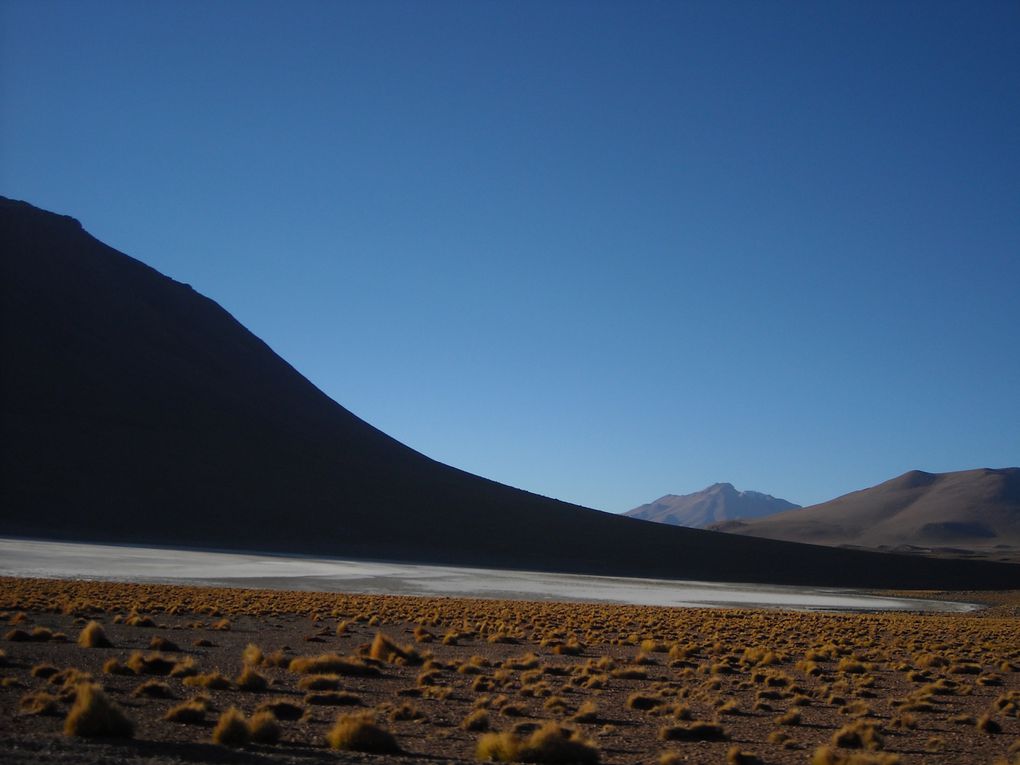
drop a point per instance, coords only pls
(717, 503)
(975, 510)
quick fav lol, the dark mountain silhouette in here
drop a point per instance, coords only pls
(976, 510)
(719, 502)
(133, 409)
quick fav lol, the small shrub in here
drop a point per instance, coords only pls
(791, 716)
(498, 747)
(477, 721)
(94, 636)
(160, 643)
(94, 714)
(823, 755)
(214, 681)
(319, 683)
(736, 756)
(555, 744)
(251, 681)
(153, 689)
(858, 735)
(44, 671)
(332, 699)
(385, 649)
(186, 667)
(189, 713)
(264, 728)
(252, 655)
(39, 703)
(152, 664)
(643, 702)
(987, 724)
(360, 733)
(231, 729)
(331, 663)
(114, 667)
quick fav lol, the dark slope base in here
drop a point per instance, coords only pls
(133, 409)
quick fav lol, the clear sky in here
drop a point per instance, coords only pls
(601, 251)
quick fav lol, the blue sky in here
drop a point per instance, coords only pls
(601, 251)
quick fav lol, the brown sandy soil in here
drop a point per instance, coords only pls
(921, 683)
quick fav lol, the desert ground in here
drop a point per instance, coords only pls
(123, 673)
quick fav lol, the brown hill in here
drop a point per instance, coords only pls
(718, 503)
(968, 510)
(133, 409)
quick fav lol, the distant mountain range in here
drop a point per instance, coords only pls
(133, 409)
(719, 502)
(968, 510)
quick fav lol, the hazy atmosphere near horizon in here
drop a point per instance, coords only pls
(600, 251)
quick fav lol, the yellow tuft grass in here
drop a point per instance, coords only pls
(331, 663)
(360, 733)
(39, 703)
(94, 714)
(263, 728)
(231, 729)
(251, 681)
(94, 636)
(551, 744)
(385, 649)
(189, 713)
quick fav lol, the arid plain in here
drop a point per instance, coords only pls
(448, 679)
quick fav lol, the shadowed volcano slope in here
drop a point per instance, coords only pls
(134, 409)
(966, 509)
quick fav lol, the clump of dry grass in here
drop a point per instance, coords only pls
(858, 735)
(552, 743)
(153, 689)
(186, 667)
(407, 712)
(319, 683)
(94, 714)
(588, 712)
(644, 702)
(231, 729)
(214, 681)
(44, 671)
(332, 699)
(114, 667)
(331, 663)
(824, 755)
(160, 643)
(360, 733)
(737, 756)
(251, 681)
(386, 649)
(264, 728)
(191, 712)
(39, 703)
(94, 636)
(252, 655)
(987, 724)
(791, 716)
(477, 721)
(151, 664)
